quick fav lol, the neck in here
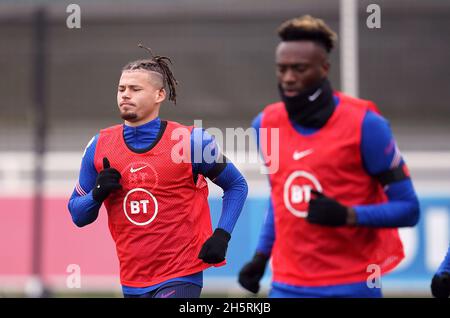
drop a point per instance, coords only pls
(311, 108)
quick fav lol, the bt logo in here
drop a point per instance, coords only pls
(297, 192)
(140, 206)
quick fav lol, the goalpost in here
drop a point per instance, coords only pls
(349, 57)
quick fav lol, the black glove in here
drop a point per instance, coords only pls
(252, 272)
(107, 181)
(214, 249)
(326, 211)
(440, 285)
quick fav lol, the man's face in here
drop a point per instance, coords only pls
(139, 96)
(300, 65)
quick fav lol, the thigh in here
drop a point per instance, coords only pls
(146, 295)
(282, 293)
(355, 290)
(178, 290)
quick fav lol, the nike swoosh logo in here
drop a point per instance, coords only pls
(314, 96)
(301, 154)
(168, 294)
(137, 169)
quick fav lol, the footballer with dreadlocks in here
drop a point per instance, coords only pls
(342, 188)
(154, 189)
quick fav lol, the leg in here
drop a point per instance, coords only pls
(146, 295)
(178, 290)
(353, 290)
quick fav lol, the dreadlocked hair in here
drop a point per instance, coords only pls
(308, 28)
(159, 64)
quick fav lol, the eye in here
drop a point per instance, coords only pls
(299, 68)
(282, 68)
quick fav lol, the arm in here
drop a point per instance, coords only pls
(440, 284)
(82, 206)
(383, 160)
(235, 190)
(267, 236)
(222, 172)
(253, 271)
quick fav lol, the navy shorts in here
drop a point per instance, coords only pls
(172, 290)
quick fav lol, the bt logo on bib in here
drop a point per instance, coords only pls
(140, 206)
(297, 192)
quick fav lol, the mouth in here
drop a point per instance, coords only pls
(126, 106)
(290, 92)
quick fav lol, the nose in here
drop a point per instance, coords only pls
(125, 94)
(288, 76)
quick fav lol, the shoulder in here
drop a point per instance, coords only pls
(375, 122)
(364, 104)
(179, 128)
(272, 114)
(107, 134)
(378, 144)
(200, 133)
(201, 138)
(274, 107)
(175, 124)
(256, 122)
(90, 147)
(377, 135)
(111, 128)
(93, 140)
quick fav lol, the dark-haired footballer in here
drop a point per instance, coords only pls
(152, 182)
(342, 188)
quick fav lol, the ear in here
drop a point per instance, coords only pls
(325, 68)
(160, 95)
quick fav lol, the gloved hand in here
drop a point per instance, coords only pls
(440, 285)
(107, 181)
(252, 272)
(214, 249)
(326, 211)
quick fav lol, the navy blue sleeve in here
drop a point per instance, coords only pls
(380, 154)
(82, 206)
(206, 157)
(235, 190)
(267, 235)
(256, 125)
(445, 265)
(204, 151)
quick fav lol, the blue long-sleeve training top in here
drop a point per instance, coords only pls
(84, 209)
(379, 153)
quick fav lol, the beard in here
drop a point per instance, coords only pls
(129, 116)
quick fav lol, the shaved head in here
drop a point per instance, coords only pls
(156, 79)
